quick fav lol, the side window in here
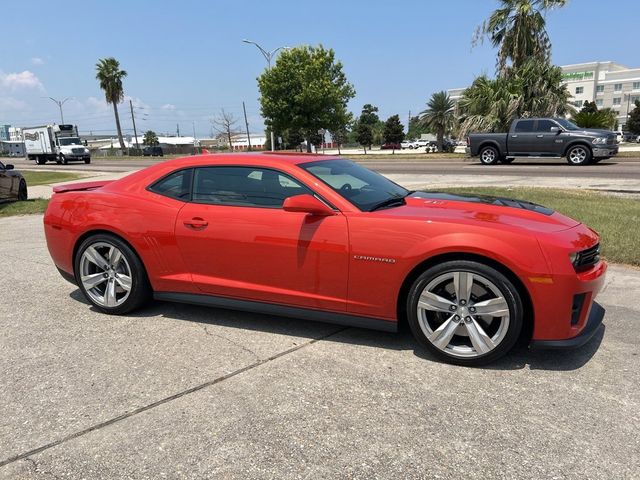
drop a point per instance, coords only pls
(524, 126)
(244, 186)
(545, 126)
(176, 185)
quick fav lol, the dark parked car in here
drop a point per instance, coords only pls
(13, 186)
(152, 152)
(544, 137)
(391, 146)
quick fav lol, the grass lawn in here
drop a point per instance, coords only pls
(46, 178)
(30, 207)
(615, 218)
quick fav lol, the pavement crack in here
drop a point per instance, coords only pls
(124, 416)
(36, 469)
(232, 342)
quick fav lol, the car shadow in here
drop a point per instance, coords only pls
(520, 357)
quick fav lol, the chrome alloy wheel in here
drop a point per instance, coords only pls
(578, 155)
(488, 155)
(463, 314)
(105, 274)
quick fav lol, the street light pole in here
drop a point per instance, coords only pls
(60, 103)
(268, 55)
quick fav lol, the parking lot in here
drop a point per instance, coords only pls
(178, 391)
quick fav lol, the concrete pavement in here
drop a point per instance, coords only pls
(176, 391)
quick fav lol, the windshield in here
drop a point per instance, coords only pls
(362, 187)
(70, 141)
(567, 125)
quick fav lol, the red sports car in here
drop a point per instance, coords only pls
(326, 239)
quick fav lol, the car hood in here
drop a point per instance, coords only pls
(482, 209)
(593, 132)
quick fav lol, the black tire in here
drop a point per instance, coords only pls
(507, 161)
(140, 292)
(58, 162)
(506, 338)
(489, 155)
(579, 155)
(63, 159)
(41, 160)
(87, 161)
(22, 191)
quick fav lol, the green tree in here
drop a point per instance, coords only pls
(364, 135)
(533, 90)
(518, 30)
(416, 128)
(340, 134)
(110, 77)
(305, 91)
(590, 117)
(393, 131)
(439, 116)
(150, 138)
(633, 122)
(589, 107)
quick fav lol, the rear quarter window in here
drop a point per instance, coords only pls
(175, 185)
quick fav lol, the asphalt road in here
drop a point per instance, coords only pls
(627, 168)
(176, 391)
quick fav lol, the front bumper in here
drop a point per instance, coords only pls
(605, 151)
(594, 321)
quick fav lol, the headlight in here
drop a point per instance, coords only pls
(86, 150)
(572, 257)
(599, 141)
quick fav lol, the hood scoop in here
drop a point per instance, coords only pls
(437, 198)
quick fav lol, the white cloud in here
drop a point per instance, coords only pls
(16, 81)
(97, 104)
(10, 103)
(37, 61)
(168, 106)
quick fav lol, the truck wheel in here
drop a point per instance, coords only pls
(41, 160)
(489, 155)
(579, 155)
(63, 159)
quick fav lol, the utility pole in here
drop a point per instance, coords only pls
(246, 122)
(268, 55)
(60, 103)
(178, 129)
(133, 119)
(194, 130)
(409, 122)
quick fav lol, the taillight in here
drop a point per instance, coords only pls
(468, 142)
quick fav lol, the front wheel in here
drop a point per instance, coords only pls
(110, 275)
(489, 155)
(579, 155)
(22, 191)
(63, 159)
(465, 312)
(87, 161)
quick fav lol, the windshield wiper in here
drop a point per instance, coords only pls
(389, 202)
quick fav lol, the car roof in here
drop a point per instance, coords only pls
(294, 158)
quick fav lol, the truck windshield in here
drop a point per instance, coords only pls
(70, 141)
(567, 125)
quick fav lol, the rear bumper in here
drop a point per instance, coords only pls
(605, 151)
(594, 321)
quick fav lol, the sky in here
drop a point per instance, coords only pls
(186, 60)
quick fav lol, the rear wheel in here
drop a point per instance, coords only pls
(22, 191)
(110, 275)
(87, 161)
(41, 160)
(489, 155)
(465, 312)
(579, 155)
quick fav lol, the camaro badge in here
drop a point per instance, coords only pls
(374, 259)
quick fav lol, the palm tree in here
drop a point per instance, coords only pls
(110, 76)
(439, 115)
(518, 30)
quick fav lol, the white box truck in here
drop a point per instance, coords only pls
(54, 143)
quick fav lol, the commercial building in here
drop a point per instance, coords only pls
(4, 133)
(608, 84)
(15, 134)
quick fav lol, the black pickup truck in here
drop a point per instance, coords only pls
(543, 137)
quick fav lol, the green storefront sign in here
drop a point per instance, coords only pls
(575, 76)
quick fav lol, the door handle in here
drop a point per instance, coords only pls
(514, 136)
(540, 136)
(196, 223)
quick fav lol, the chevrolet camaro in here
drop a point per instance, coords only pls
(325, 239)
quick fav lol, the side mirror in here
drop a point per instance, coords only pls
(556, 129)
(8, 167)
(306, 204)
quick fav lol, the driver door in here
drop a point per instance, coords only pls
(237, 241)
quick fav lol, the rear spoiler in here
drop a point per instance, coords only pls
(82, 186)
